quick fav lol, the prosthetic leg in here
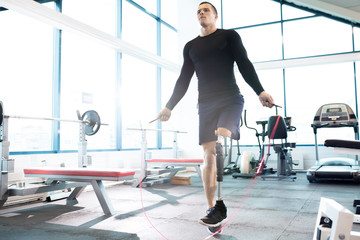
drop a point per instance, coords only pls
(219, 178)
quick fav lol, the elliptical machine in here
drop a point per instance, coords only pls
(248, 163)
(232, 167)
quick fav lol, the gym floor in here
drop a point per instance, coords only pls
(257, 210)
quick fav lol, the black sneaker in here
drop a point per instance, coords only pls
(215, 215)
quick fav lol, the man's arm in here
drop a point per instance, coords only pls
(247, 69)
(181, 86)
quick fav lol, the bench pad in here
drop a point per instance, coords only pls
(176, 160)
(342, 143)
(80, 172)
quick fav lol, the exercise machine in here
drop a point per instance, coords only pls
(334, 115)
(347, 147)
(157, 171)
(277, 130)
(232, 167)
(74, 180)
(334, 222)
(278, 127)
(248, 163)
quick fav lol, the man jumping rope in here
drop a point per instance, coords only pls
(212, 55)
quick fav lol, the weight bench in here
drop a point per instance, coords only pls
(77, 178)
(156, 167)
(195, 163)
(334, 222)
(347, 147)
(344, 146)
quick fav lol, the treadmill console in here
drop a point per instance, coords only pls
(334, 115)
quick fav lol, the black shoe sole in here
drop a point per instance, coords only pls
(213, 225)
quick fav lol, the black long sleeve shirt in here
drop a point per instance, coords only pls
(212, 57)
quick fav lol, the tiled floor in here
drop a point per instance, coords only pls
(257, 210)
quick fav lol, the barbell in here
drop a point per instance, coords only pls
(90, 118)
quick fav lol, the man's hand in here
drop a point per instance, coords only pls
(266, 99)
(164, 114)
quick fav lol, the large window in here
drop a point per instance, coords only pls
(138, 99)
(169, 12)
(88, 74)
(275, 31)
(26, 47)
(308, 88)
(238, 13)
(99, 14)
(139, 28)
(316, 36)
(82, 74)
(87, 83)
(39, 68)
(263, 43)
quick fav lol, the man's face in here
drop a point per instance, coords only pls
(206, 15)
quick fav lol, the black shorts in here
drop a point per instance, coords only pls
(225, 112)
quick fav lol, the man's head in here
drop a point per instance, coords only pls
(213, 7)
(207, 14)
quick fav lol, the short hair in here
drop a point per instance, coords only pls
(211, 6)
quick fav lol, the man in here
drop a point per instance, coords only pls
(212, 55)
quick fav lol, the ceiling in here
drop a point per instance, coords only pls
(345, 9)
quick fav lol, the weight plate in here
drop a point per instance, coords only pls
(92, 122)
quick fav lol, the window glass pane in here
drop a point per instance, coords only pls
(138, 100)
(88, 83)
(316, 36)
(292, 12)
(142, 32)
(271, 80)
(262, 43)
(239, 13)
(99, 14)
(357, 38)
(217, 4)
(26, 48)
(169, 12)
(149, 5)
(168, 80)
(169, 44)
(308, 88)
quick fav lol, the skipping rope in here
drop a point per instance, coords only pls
(248, 190)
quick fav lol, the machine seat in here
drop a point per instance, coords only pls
(342, 143)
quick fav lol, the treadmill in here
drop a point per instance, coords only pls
(334, 115)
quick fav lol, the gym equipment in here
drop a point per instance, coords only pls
(232, 167)
(170, 167)
(249, 165)
(90, 119)
(277, 129)
(59, 178)
(347, 147)
(77, 178)
(334, 115)
(334, 222)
